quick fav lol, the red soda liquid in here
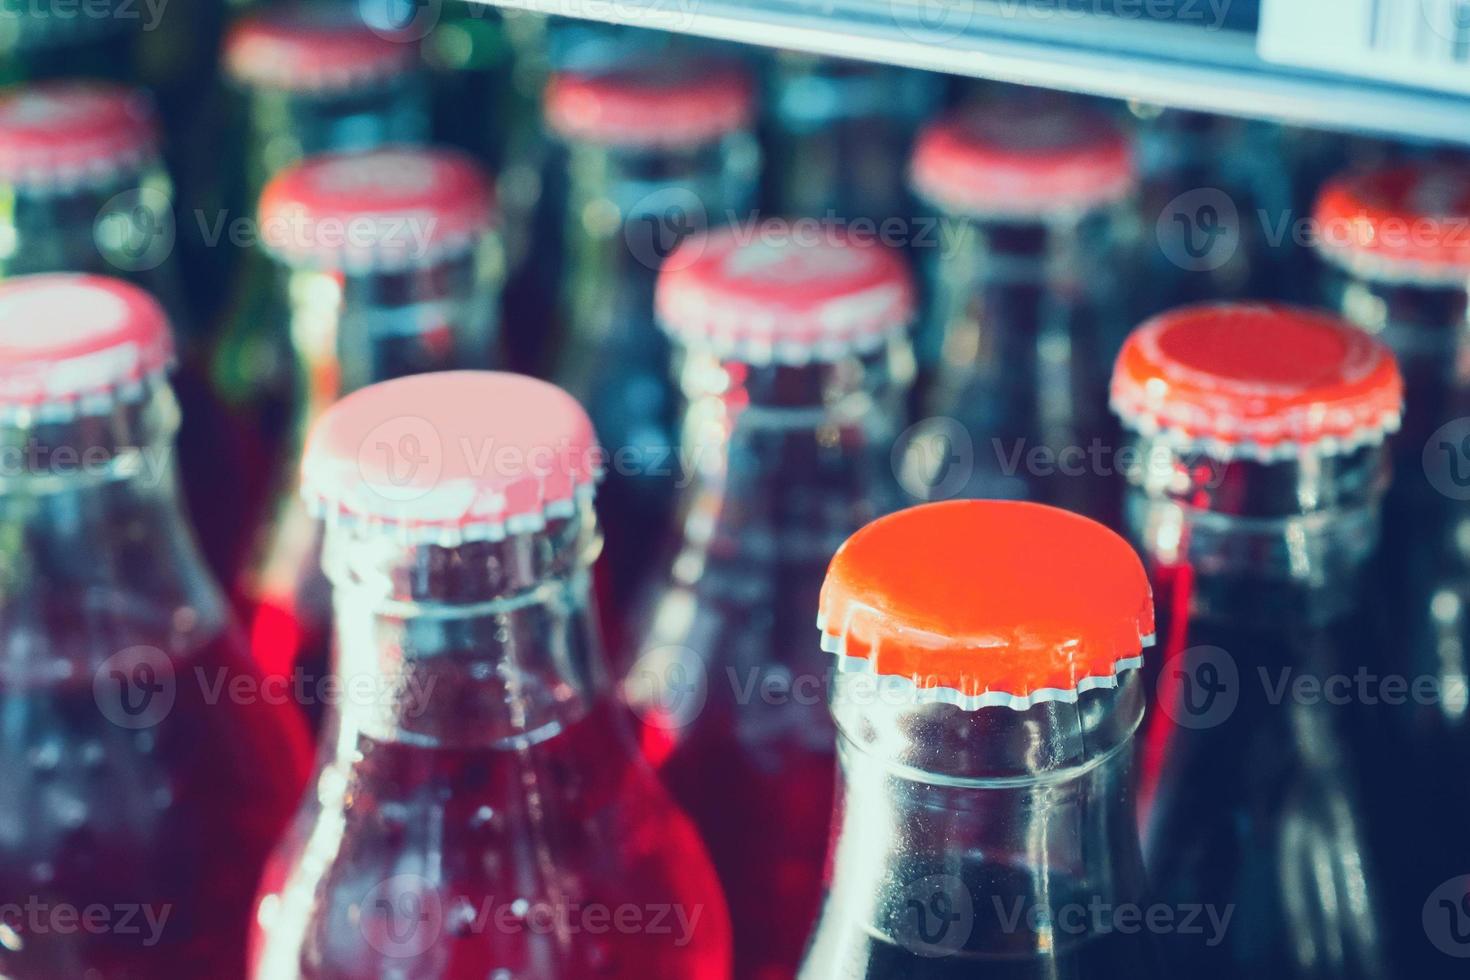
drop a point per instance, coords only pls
(559, 859)
(144, 791)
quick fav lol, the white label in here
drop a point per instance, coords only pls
(1424, 43)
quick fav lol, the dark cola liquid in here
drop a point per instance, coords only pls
(562, 860)
(1263, 784)
(1006, 923)
(143, 794)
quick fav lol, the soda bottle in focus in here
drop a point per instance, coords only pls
(839, 135)
(986, 697)
(411, 287)
(655, 150)
(1259, 464)
(1395, 260)
(303, 80)
(1034, 195)
(149, 772)
(480, 807)
(795, 366)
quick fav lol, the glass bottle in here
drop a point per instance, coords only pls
(480, 807)
(1034, 197)
(45, 39)
(302, 79)
(986, 694)
(1394, 261)
(392, 267)
(149, 769)
(796, 365)
(1259, 466)
(656, 148)
(839, 135)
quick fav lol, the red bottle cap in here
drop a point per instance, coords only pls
(451, 457)
(57, 135)
(764, 293)
(1257, 381)
(304, 49)
(668, 105)
(387, 208)
(1403, 223)
(73, 344)
(984, 603)
(1033, 158)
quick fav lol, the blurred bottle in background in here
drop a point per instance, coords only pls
(1396, 261)
(306, 80)
(653, 154)
(795, 367)
(1254, 498)
(480, 806)
(1216, 207)
(44, 39)
(147, 768)
(391, 268)
(838, 135)
(1027, 282)
(986, 697)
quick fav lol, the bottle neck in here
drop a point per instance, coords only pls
(350, 330)
(95, 526)
(784, 462)
(486, 644)
(996, 809)
(1017, 315)
(109, 226)
(1258, 541)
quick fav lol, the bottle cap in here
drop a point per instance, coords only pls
(58, 135)
(451, 457)
(304, 49)
(1257, 381)
(387, 208)
(753, 296)
(1402, 223)
(670, 104)
(1030, 158)
(73, 344)
(986, 603)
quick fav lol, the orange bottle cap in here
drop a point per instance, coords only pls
(1257, 381)
(664, 105)
(1400, 223)
(982, 603)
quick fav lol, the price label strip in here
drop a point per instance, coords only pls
(1423, 43)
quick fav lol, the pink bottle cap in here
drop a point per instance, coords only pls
(57, 135)
(1030, 158)
(300, 49)
(73, 344)
(1403, 223)
(1257, 381)
(451, 457)
(385, 208)
(769, 294)
(668, 105)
